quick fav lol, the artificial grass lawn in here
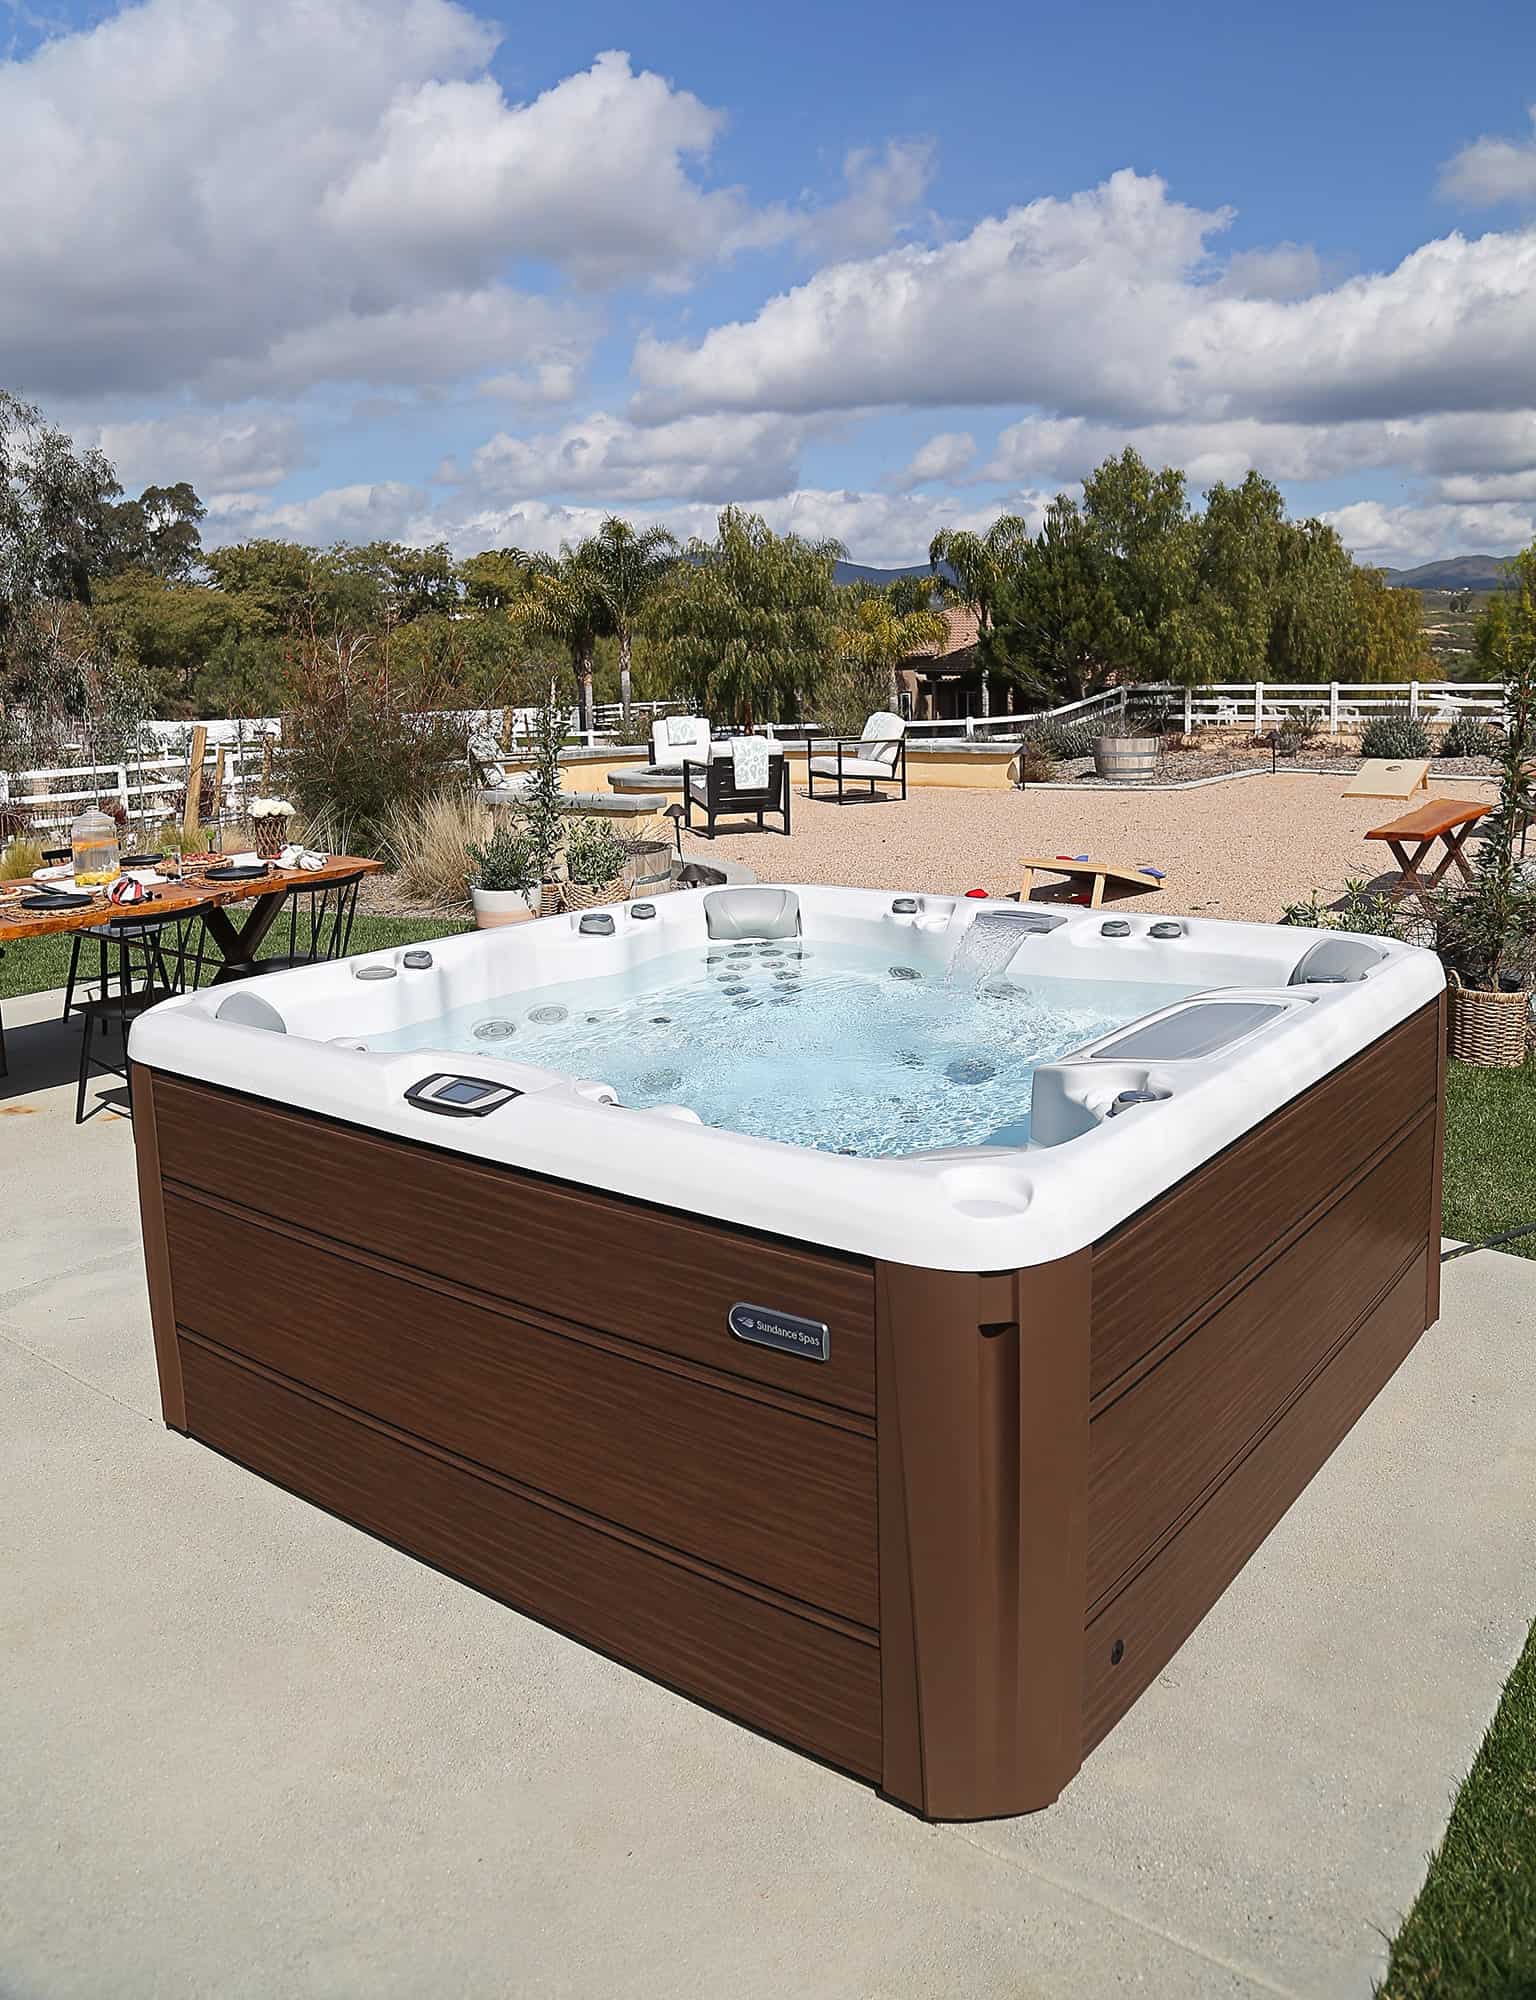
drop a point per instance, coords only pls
(38, 963)
(1472, 1933)
(1490, 1148)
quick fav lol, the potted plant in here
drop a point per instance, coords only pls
(504, 878)
(594, 864)
(1485, 931)
(539, 812)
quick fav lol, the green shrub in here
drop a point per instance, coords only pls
(358, 745)
(1358, 909)
(1395, 733)
(1062, 741)
(1469, 736)
(594, 854)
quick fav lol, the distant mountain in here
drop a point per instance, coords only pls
(851, 572)
(1453, 573)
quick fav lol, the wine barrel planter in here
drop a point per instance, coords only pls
(1126, 760)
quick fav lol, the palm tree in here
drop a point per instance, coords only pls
(565, 601)
(629, 564)
(874, 634)
(979, 565)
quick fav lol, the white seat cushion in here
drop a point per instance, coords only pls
(852, 767)
(679, 738)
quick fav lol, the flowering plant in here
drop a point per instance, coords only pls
(269, 809)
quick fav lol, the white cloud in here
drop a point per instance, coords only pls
(1397, 537)
(879, 528)
(1108, 305)
(1492, 170)
(388, 510)
(743, 457)
(882, 189)
(944, 457)
(1285, 271)
(231, 197)
(213, 450)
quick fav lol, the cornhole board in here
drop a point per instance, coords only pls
(1389, 778)
(1092, 882)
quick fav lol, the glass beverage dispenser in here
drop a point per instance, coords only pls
(94, 849)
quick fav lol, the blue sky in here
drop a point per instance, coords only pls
(417, 268)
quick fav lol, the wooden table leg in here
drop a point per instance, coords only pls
(1408, 882)
(1096, 900)
(238, 944)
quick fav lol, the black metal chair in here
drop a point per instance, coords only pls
(82, 941)
(319, 925)
(151, 953)
(713, 788)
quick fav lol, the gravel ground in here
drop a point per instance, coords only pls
(1235, 850)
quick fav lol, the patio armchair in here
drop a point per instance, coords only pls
(752, 779)
(878, 757)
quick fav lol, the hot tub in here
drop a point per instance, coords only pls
(892, 1320)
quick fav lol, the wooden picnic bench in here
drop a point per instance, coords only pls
(1446, 822)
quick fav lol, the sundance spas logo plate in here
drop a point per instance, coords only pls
(766, 1326)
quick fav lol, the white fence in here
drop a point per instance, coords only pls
(149, 788)
(1336, 705)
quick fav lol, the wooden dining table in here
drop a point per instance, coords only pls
(236, 939)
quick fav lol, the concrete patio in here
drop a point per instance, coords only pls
(249, 1751)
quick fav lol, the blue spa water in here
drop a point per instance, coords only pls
(847, 1049)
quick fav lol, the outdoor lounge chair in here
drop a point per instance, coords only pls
(754, 778)
(679, 739)
(878, 757)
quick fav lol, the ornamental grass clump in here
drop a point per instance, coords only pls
(431, 844)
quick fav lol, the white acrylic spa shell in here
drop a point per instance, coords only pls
(1277, 1010)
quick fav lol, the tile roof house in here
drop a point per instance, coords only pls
(944, 682)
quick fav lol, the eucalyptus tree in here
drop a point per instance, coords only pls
(630, 565)
(53, 526)
(873, 634)
(745, 623)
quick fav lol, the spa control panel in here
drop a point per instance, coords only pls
(459, 1096)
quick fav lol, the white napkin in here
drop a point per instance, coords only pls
(307, 858)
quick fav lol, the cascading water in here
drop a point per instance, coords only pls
(986, 948)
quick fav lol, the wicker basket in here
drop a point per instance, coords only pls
(1490, 1029)
(587, 895)
(271, 835)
